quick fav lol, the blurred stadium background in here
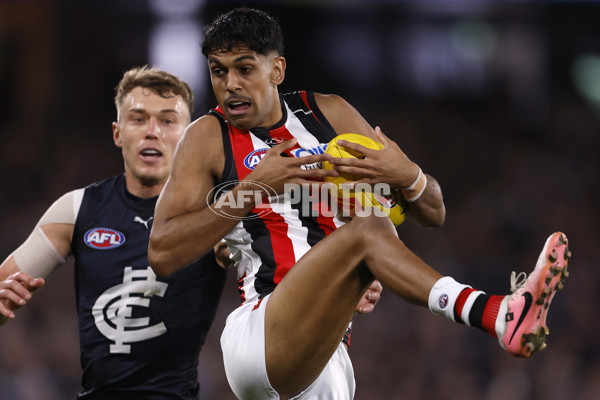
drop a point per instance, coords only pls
(499, 100)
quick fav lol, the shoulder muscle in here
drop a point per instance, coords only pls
(198, 159)
(342, 116)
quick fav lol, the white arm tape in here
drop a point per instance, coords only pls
(64, 210)
(37, 256)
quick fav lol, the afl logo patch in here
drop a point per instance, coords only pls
(443, 301)
(103, 238)
(254, 158)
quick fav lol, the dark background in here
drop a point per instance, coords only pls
(498, 100)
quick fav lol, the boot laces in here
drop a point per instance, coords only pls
(517, 281)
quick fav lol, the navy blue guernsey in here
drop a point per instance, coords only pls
(140, 336)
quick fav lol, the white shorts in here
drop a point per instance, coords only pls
(243, 346)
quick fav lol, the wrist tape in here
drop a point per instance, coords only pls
(414, 191)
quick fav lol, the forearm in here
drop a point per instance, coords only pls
(180, 240)
(429, 209)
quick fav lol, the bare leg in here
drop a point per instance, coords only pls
(308, 312)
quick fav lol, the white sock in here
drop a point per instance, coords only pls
(443, 296)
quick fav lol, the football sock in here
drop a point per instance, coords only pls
(480, 310)
(463, 304)
(443, 296)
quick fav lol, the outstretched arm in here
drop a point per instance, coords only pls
(44, 250)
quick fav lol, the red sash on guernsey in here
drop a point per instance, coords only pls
(277, 239)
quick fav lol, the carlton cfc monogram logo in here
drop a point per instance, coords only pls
(113, 310)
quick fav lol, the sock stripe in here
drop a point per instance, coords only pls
(476, 314)
(490, 315)
(469, 306)
(460, 303)
(465, 305)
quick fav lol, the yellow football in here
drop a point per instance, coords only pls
(390, 203)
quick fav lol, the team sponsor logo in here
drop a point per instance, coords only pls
(300, 152)
(103, 238)
(113, 310)
(443, 301)
(252, 159)
(320, 149)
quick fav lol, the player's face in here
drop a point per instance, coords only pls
(245, 85)
(148, 131)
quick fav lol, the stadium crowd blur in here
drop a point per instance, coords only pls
(499, 100)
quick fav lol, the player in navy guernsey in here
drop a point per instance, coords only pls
(140, 336)
(301, 275)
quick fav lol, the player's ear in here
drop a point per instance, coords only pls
(278, 72)
(116, 134)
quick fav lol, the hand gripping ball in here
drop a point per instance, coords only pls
(383, 198)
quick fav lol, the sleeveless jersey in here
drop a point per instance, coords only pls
(140, 336)
(265, 245)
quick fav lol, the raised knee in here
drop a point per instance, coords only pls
(373, 226)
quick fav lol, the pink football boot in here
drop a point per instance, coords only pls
(521, 323)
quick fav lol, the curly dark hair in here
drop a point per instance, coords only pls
(244, 27)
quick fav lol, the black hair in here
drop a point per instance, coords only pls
(244, 27)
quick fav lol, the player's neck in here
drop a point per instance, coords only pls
(143, 190)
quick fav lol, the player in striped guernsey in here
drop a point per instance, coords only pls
(302, 274)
